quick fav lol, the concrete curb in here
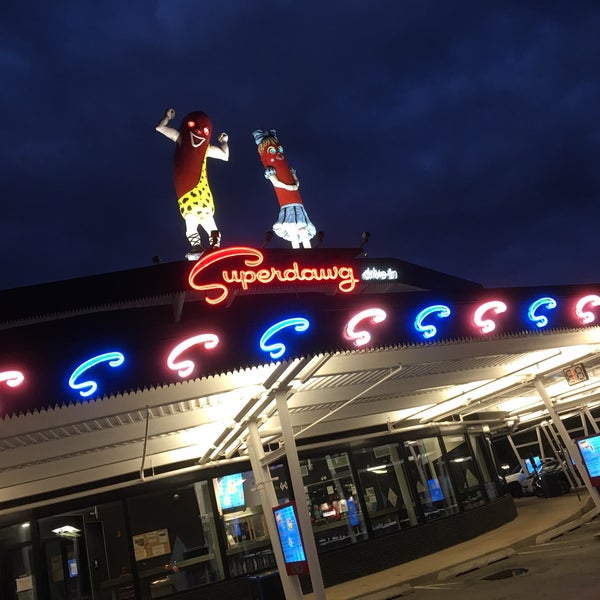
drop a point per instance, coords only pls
(554, 533)
(388, 593)
(476, 563)
(566, 527)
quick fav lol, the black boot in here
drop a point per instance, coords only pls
(215, 239)
(196, 251)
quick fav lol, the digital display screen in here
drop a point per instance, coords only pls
(230, 491)
(589, 448)
(290, 538)
(537, 461)
(435, 490)
(72, 566)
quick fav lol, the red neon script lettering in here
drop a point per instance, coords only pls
(245, 278)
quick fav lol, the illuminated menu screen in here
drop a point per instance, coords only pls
(590, 453)
(230, 491)
(291, 540)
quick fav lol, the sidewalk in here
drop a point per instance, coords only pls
(535, 516)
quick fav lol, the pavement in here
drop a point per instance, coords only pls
(538, 520)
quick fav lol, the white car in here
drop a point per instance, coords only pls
(520, 483)
(514, 481)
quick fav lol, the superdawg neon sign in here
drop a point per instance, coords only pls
(220, 272)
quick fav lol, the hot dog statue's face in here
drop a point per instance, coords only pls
(190, 152)
(196, 130)
(272, 155)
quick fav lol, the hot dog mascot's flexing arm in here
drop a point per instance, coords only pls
(194, 196)
(293, 223)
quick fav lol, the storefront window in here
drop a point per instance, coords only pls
(332, 501)
(17, 578)
(464, 470)
(174, 540)
(384, 481)
(240, 511)
(480, 445)
(87, 554)
(428, 469)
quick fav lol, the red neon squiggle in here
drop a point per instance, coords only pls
(341, 274)
(12, 378)
(186, 367)
(587, 316)
(362, 337)
(487, 325)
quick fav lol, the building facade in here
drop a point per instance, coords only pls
(145, 416)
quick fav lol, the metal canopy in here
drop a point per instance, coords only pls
(57, 453)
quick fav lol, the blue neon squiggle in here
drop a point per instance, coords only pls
(277, 349)
(87, 388)
(541, 320)
(428, 331)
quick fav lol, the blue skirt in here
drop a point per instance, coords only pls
(293, 218)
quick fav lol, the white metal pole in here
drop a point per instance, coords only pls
(268, 499)
(308, 537)
(568, 443)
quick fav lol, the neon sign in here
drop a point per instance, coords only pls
(541, 320)
(185, 368)
(374, 274)
(360, 338)
(342, 275)
(429, 331)
(12, 378)
(87, 388)
(335, 324)
(488, 325)
(587, 316)
(277, 349)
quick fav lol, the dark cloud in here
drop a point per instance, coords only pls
(463, 135)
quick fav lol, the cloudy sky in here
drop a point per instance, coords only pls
(462, 135)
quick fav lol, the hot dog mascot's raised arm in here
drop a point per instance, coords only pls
(293, 223)
(194, 196)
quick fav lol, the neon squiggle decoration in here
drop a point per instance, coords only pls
(186, 367)
(428, 331)
(360, 338)
(487, 325)
(587, 316)
(541, 320)
(87, 388)
(277, 349)
(12, 378)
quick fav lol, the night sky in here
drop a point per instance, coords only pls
(462, 135)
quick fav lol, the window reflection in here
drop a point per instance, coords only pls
(464, 471)
(332, 501)
(428, 469)
(387, 496)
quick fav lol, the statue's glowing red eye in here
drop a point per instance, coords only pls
(205, 131)
(191, 124)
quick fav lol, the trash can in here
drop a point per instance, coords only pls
(266, 586)
(552, 484)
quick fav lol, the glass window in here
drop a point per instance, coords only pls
(248, 546)
(332, 501)
(17, 577)
(428, 469)
(464, 470)
(87, 554)
(174, 540)
(384, 481)
(480, 445)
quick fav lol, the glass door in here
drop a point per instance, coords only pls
(17, 577)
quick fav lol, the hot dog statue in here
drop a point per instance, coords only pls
(293, 223)
(194, 196)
